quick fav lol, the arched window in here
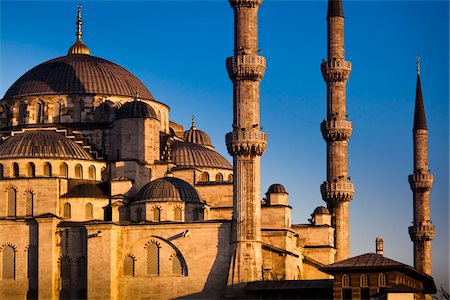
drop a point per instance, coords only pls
(152, 259)
(364, 281)
(77, 108)
(156, 214)
(230, 178)
(382, 280)
(219, 177)
(22, 114)
(196, 214)
(345, 281)
(177, 214)
(8, 262)
(204, 177)
(29, 204)
(128, 266)
(91, 172)
(81, 267)
(67, 210)
(12, 194)
(177, 267)
(57, 112)
(89, 211)
(1, 171)
(138, 214)
(63, 170)
(32, 262)
(31, 170)
(15, 169)
(78, 171)
(65, 268)
(39, 112)
(47, 169)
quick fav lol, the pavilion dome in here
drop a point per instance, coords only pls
(168, 189)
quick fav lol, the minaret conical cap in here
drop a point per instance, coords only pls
(335, 8)
(420, 121)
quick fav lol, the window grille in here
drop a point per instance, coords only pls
(152, 259)
(177, 268)
(92, 173)
(48, 170)
(12, 202)
(31, 170)
(9, 262)
(345, 280)
(178, 214)
(78, 172)
(382, 280)
(364, 281)
(156, 214)
(67, 210)
(128, 266)
(29, 204)
(89, 211)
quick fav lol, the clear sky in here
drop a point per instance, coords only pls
(178, 50)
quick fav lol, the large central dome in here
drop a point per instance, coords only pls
(78, 74)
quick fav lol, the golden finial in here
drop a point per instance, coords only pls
(79, 47)
(193, 122)
(418, 65)
(169, 160)
(136, 96)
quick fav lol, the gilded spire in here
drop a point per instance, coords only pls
(193, 123)
(420, 121)
(79, 47)
(169, 160)
(335, 8)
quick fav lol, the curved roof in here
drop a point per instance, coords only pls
(42, 144)
(85, 190)
(168, 189)
(321, 210)
(136, 109)
(276, 188)
(78, 74)
(196, 136)
(193, 155)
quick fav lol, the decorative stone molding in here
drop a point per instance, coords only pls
(245, 3)
(246, 142)
(246, 67)
(339, 130)
(421, 182)
(337, 191)
(336, 70)
(422, 232)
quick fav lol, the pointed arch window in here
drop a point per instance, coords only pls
(78, 171)
(39, 112)
(63, 170)
(29, 204)
(157, 214)
(47, 169)
(89, 211)
(31, 170)
(32, 261)
(67, 211)
(22, 114)
(91, 172)
(219, 177)
(152, 259)
(15, 169)
(178, 214)
(9, 262)
(128, 266)
(12, 196)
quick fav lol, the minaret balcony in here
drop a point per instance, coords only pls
(421, 182)
(246, 67)
(246, 142)
(340, 191)
(336, 70)
(422, 232)
(245, 3)
(336, 130)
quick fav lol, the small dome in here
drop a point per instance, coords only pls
(136, 109)
(85, 190)
(42, 144)
(194, 155)
(193, 135)
(168, 189)
(321, 210)
(276, 188)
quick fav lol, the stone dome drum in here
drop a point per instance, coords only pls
(42, 144)
(168, 189)
(78, 74)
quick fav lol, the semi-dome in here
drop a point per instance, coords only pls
(276, 188)
(168, 189)
(193, 155)
(322, 210)
(78, 74)
(42, 144)
(136, 109)
(85, 190)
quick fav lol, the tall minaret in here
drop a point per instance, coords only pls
(337, 191)
(421, 181)
(246, 143)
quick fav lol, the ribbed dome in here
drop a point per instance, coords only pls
(42, 144)
(322, 210)
(276, 188)
(136, 109)
(78, 74)
(194, 155)
(85, 190)
(196, 136)
(168, 189)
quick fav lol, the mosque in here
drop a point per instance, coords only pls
(106, 197)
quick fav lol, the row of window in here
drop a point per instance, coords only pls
(48, 170)
(8, 254)
(364, 280)
(204, 177)
(12, 203)
(177, 212)
(88, 211)
(154, 264)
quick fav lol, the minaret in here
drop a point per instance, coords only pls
(246, 143)
(337, 191)
(421, 181)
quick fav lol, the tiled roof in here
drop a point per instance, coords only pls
(368, 260)
(78, 74)
(194, 155)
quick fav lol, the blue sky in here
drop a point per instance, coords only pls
(178, 50)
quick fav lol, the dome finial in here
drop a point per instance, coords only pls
(418, 65)
(193, 122)
(136, 96)
(79, 47)
(169, 160)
